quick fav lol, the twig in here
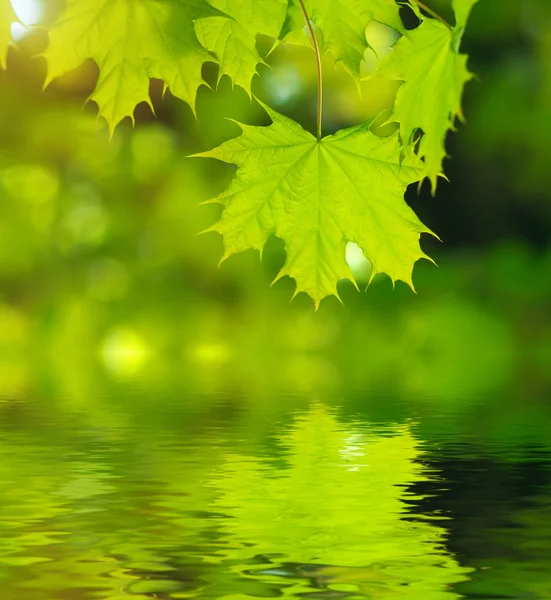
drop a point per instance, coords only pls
(318, 64)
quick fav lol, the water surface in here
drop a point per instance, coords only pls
(321, 495)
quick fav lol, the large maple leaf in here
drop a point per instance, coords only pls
(234, 40)
(131, 42)
(342, 26)
(7, 17)
(434, 75)
(319, 195)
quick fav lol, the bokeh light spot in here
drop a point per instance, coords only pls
(124, 353)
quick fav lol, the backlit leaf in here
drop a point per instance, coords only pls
(131, 42)
(342, 25)
(319, 195)
(462, 9)
(234, 40)
(434, 75)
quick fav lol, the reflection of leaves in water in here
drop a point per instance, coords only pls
(341, 504)
(23, 515)
(105, 520)
(148, 511)
(55, 514)
(160, 515)
(516, 552)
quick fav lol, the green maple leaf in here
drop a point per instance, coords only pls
(7, 17)
(342, 26)
(131, 42)
(319, 195)
(434, 75)
(234, 40)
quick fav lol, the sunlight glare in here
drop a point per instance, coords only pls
(29, 12)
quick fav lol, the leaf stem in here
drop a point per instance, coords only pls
(432, 13)
(318, 64)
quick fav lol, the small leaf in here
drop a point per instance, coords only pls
(434, 75)
(342, 24)
(234, 40)
(462, 9)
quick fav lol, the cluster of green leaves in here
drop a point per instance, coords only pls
(315, 194)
